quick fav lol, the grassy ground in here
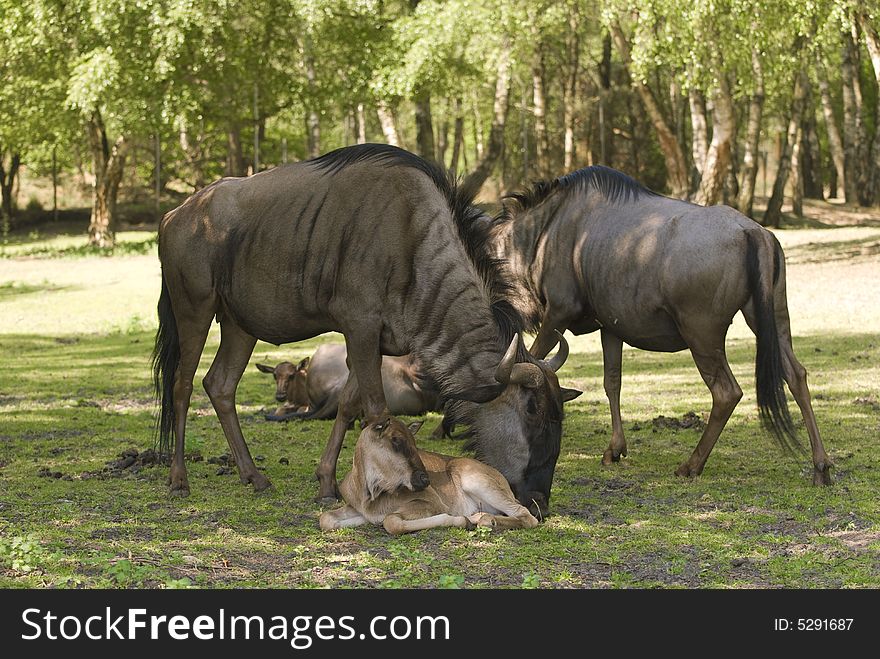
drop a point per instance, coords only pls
(76, 332)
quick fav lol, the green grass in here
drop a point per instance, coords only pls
(75, 391)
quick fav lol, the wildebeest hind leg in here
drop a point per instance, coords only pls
(192, 333)
(711, 360)
(612, 355)
(221, 382)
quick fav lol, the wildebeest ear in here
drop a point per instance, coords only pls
(569, 394)
(303, 364)
(482, 394)
(266, 369)
(414, 426)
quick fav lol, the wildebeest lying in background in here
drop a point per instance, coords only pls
(596, 250)
(311, 389)
(394, 484)
(373, 242)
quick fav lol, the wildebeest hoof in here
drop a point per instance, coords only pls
(280, 417)
(482, 519)
(686, 471)
(179, 490)
(822, 475)
(259, 482)
(610, 456)
(327, 500)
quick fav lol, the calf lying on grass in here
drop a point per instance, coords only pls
(394, 484)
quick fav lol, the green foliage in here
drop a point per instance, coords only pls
(21, 553)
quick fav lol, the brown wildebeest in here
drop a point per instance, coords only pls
(373, 242)
(312, 388)
(594, 250)
(394, 484)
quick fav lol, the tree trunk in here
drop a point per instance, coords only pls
(774, 207)
(7, 181)
(313, 119)
(539, 109)
(853, 131)
(495, 149)
(108, 162)
(797, 176)
(569, 91)
(811, 156)
(835, 144)
(699, 130)
(746, 196)
(386, 120)
(442, 141)
(235, 165)
(361, 124)
(872, 38)
(458, 137)
(676, 166)
(717, 163)
(424, 127)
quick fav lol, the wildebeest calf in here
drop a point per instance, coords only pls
(404, 489)
(312, 388)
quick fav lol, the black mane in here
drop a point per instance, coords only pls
(612, 184)
(472, 224)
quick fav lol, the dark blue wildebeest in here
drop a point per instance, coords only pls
(375, 243)
(595, 250)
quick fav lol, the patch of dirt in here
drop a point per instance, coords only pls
(131, 461)
(858, 541)
(688, 421)
(868, 401)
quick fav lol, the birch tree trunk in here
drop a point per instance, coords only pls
(797, 176)
(717, 163)
(699, 129)
(108, 163)
(774, 207)
(457, 136)
(424, 127)
(539, 105)
(872, 39)
(569, 92)
(386, 120)
(746, 198)
(494, 151)
(835, 144)
(7, 181)
(673, 156)
(853, 131)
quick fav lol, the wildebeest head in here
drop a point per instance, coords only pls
(519, 432)
(387, 456)
(290, 383)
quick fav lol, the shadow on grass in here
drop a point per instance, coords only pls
(14, 289)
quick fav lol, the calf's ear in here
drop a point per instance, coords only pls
(415, 426)
(569, 394)
(265, 369)
(303, 364)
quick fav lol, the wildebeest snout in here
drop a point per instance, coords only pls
(420, 480)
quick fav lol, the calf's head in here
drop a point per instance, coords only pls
(387, 457)
(290, 383)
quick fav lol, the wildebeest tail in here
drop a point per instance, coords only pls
(768, 362)
(166, 357)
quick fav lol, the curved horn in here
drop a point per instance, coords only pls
(561, 355)
(502, 373)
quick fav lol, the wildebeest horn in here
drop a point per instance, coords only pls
(523, 374)
(502, 373)
(561, 355)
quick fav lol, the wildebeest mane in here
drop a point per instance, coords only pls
(472, 224)
(612, 184)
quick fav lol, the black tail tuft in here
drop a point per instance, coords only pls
(769, 381)
(166, 357)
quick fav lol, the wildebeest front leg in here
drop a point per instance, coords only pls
(612, 355)
(341, 518)
(221, 383)
(349, 406)
(726, 393)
